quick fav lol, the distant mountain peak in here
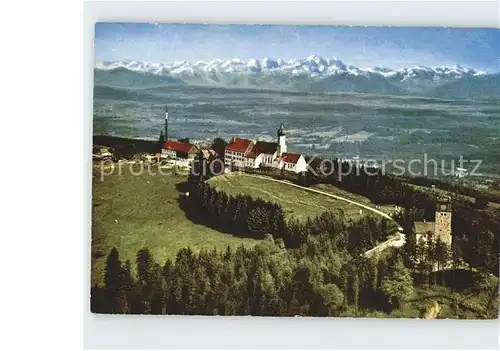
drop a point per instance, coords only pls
(314, 65)
(314, 73)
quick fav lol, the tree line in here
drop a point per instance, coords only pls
(475, 229)
(315, 279)
(313, 267)
(267, 280)
(246, 216)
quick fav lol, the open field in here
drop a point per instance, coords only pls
(296, 202)
(132, 212)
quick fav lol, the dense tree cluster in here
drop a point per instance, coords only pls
(476, 234)
(452, 187)
(315, 279)
(475, 228)
(219, 146)
(312, 267)
(253, 217)
(301, 268)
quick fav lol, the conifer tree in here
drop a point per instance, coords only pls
(113, 271)
(398, 285)
(219, 146)
(144, 265)
(331, 299)
(355, 290)
(161, 141)
(431, 258)
(114, 278)
(441, 254)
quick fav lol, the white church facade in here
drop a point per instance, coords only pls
(254, 154)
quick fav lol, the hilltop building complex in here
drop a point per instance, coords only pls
(240, 152)
(254, 154)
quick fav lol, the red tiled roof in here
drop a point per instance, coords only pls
(177, 146)
(239, 145)
(290, 158)
(264, 147)
(251, 154)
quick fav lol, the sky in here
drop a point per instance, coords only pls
(359, 46)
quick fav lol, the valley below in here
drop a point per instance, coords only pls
(377, 127)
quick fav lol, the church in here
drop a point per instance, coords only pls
(240, 152)
(254, 154)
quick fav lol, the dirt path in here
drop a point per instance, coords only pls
(393, 242)
(374, 210)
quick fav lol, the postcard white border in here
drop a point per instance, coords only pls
(125, 332)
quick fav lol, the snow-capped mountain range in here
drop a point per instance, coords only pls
(313, 66)
(313, 74)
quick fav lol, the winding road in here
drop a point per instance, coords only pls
(393, 242)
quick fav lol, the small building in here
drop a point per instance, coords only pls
(179, 150)
(293, 162)
(422, 228)
(99, 152)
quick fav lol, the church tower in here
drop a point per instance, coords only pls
(166, 123)
(281, 140)
(443, 219)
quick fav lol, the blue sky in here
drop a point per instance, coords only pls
(359, 46)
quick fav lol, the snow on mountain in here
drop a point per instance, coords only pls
(314, 65)
(254, 65)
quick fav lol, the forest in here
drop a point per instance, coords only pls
(475, 226)
(320, 278)
(314, 267)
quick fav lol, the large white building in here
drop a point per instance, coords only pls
(248, 153)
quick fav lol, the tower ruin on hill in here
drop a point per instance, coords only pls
(441, 227)
(443, 219)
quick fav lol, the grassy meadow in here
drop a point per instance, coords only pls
(296, 202)
(131, 212)
(353, 197)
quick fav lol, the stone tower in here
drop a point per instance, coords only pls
(281, 140)
(443, 219)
